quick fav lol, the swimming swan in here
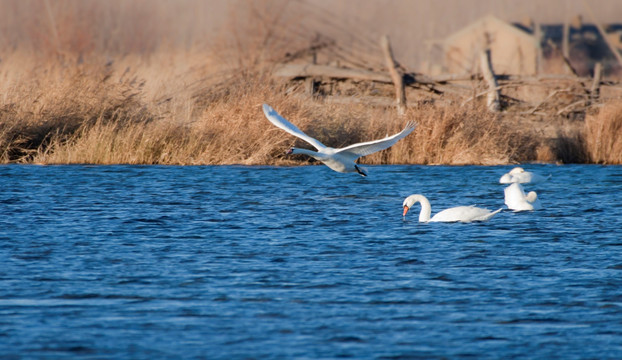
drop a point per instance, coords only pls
(516, 199)
(460, 213)
(519, 175)
(340, 160)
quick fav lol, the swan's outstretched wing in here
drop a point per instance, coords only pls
(366, 148)
(280, 122)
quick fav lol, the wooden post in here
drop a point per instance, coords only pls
(595, 90)
(537, 33)
(566, 47)
(396, 75)
(566, 39)
(493, 98)
(310, 81)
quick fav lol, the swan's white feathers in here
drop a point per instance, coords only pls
(454, 214)
(519, 175)
(341, 160)
(370, 147)
(463, 214)
(280, 122)
(516, 200)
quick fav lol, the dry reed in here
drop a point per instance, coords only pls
(603, 135)
(100, 115)
(53, 103)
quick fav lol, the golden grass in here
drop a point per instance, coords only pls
(456, 136)
(603, 135)
(51, 104)
(100, 114)
(233, 130)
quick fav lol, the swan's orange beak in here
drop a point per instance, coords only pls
(405, 210)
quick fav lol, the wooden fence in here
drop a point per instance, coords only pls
(545, 94)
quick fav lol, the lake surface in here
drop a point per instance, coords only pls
(156, 262)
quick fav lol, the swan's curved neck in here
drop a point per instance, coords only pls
(426, 209)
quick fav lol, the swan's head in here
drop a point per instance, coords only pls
(532, 196)
(406, 206)
(424, 215)
(409, 202)
(290, 151)
(517, 170)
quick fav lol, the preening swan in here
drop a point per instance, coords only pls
(519, 175)
(516, 199)
(455, 214)
(340, 160)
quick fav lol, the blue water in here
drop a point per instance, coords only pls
(154, 262)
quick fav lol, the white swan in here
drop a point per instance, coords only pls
(459, 213)
(340, 160)
(519, 175)
(516, 199)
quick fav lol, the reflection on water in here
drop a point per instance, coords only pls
(149, 262)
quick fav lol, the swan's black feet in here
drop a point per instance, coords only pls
(358, 170)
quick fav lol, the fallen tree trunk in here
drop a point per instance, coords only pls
(293, 71)
(309, 70)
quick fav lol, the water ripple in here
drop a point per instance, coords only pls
(228, 262)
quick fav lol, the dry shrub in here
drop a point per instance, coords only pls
(119, 143)
(568, 147)
(545, 154)
(562, 149)
(55, 102)
(223, 123)
(603, 135)
(231, 129)
(457, 135)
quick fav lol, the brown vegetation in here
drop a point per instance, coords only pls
(72, 103)
(86, 117)
(603, 135)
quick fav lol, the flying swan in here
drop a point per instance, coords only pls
(455, 214)
(516, 199)
(519, 175)
(340, 160)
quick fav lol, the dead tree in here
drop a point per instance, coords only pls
(396, 75)
(493, 98)
(595, 90)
